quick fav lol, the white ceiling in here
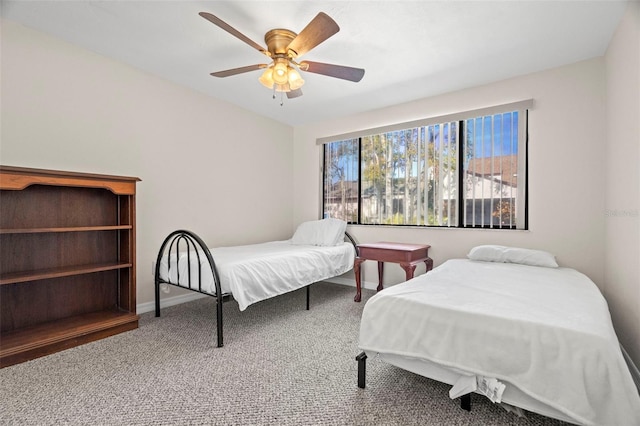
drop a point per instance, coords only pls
(409, 49)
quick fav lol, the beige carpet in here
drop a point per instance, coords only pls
(281, 365)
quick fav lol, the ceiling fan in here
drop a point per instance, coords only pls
(283, 48)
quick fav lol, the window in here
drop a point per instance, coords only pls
(467, 170)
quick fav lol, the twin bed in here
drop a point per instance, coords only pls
(251, 273)
(509, 324)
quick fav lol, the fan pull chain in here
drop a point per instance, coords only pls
(281, 95)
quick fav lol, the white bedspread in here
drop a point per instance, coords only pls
(256, 272)
(547, 331)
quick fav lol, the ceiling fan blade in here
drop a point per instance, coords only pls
(228, 28)
(294, 93)
(235, 71)
(337, 71)
(318, 30)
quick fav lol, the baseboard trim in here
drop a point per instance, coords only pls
(633, 369)
(352, 283)
(169, 301)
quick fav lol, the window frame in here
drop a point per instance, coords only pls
(523, 108)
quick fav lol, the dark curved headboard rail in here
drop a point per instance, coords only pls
(352, 241)
(194, 246)
(182, 241)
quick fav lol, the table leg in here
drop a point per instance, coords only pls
(356, 271)
(429, 263)
(409, 269)
(380, 274)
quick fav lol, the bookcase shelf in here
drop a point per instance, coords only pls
(43, 274)
(67, 265)
(74, 229)
(43, 339)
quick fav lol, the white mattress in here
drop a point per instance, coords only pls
(546, 331)
(256, 272)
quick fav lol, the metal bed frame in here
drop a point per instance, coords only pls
(465, 400)
(182, 240)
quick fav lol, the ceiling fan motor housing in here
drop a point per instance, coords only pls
(278, 40)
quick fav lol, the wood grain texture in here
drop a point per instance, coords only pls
(67, 264)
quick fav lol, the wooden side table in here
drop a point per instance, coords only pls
(407, 255)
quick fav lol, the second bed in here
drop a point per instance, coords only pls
(535, 337)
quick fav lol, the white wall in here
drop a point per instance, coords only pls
(622, 224)
(566, 169)
(205, 165)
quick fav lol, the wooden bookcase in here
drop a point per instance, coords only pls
(67, 260)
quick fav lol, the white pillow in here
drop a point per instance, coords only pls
(493, 253)
(323, 232)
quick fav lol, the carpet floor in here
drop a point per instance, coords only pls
(280, 365)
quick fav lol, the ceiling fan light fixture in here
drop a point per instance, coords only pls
(295, 80)
(267, 78)
(281, 75)
(280, 71)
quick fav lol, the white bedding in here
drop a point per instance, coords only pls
(256, 272)
(546, 331)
